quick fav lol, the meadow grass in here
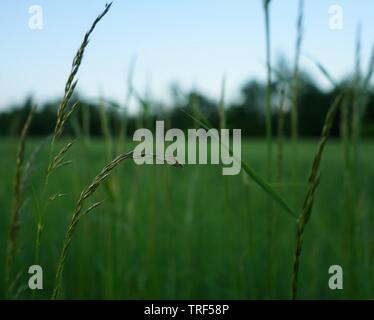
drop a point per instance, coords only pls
(201, 252)
(79, 212)
(18, 188)
(164, 237)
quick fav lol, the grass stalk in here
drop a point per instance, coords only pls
(356, 111)
(221, 105)
(17, 200)
(79, 213)
(124, 116)
(64, 113)
(280, 129)
(347, 185)
(295, 80)
(105, 129)
(268, 90)
(313, 182)
(268, 128)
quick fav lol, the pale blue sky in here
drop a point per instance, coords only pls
(191, 42)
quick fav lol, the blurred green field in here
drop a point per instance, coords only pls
(191, 233)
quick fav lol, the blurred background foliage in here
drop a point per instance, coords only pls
(245, 113)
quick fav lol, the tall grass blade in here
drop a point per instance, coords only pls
(313, 182)
(17, 199)
(261, 182)
(268, 90)
(295, 80)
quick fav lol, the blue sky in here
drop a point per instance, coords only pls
(193, 43)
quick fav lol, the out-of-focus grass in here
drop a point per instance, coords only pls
(193, 233)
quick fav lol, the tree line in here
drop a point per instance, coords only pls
(246, 113)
